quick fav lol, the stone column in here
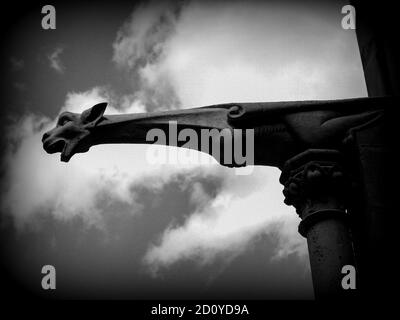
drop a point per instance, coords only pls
(317, 185)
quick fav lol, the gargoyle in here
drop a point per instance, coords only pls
(281, 129)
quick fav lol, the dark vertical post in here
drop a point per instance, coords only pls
(317, 185)
(377, 25)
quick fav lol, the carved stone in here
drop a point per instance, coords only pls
(282, 129)
(317, 184)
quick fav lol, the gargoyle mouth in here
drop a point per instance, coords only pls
(53, 146)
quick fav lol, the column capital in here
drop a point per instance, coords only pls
(317, 184)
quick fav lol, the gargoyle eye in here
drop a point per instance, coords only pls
(63, 120)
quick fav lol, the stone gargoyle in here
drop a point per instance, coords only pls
(281, 129)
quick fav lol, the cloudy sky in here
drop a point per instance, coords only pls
(116, 226)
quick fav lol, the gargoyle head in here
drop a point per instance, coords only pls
(72, 133)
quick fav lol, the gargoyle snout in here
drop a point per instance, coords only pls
(51, 143)
(46, 136)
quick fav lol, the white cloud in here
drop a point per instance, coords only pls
(142, 37)
(245, 208)
(140, 43)
(55, 60)
(80, 101)
(223, 52)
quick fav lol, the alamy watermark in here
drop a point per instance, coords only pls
(49, 18)
(349, 280)
(349, 20)
(230, 147)
(49, 278)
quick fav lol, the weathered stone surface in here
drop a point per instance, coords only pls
(318, 185)
(282, 129)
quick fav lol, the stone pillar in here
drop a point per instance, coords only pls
(316, 184)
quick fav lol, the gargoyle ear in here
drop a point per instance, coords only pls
(94, 114)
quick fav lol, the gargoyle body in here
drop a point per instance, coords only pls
(281, 129)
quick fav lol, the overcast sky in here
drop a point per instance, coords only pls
(115, 225)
